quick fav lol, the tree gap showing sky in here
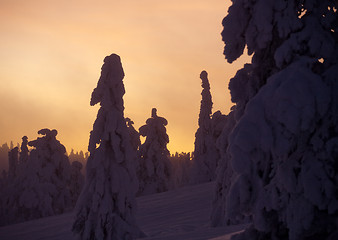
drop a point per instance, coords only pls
(51, 55)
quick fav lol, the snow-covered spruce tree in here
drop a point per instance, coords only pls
(205, 153)
(284, 147)
(106, 206)
(224, 176)
(49, 165)
(243, 86)
(155, 167)
(41, 188)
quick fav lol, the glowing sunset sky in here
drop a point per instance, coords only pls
(51, 53)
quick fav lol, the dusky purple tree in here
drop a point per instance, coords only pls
(283, 147)
(41, 187)
(206, 155)
(106, 207)
(224, 177)
(155, 167)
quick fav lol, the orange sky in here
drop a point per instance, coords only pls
(51, 53)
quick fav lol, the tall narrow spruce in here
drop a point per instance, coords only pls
(106, 206)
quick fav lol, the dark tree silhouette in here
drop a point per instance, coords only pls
(155, 166)
(106, 207)
(283, 147)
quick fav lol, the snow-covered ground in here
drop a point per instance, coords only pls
(180, 214)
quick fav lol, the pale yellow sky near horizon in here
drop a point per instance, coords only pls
(51, 53)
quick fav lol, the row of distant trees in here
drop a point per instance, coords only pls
(42, 180)
(5, 148)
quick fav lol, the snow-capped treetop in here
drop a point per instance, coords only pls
(307, 27)
(251, 23)
(206, 103)
(155, 129)
(276, 33)
(49, 143)
(24, 150)
(109, 93)
(111, 78)
(204, 77)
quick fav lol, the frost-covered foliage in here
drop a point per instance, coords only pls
(41, 187)
(206, 154)
(50, 165)
(181, 169)
(134, 134)
(155, 167)
(284, 146)
(106, 206)
(225, 176)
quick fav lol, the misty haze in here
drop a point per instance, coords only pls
(122, 120)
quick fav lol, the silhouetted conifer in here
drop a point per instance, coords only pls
(206, 154)
(106, 207)
(155, 166)
(283, 147)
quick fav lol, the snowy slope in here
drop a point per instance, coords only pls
(179, 214)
